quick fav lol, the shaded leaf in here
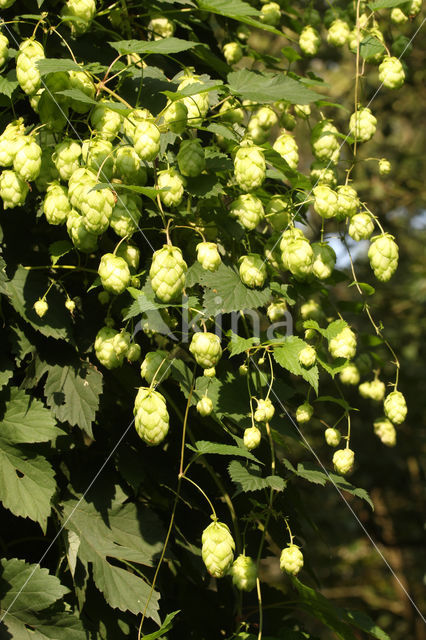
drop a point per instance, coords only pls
(204, 447)
(163, 46)
(249, 478)
(287, 356)
(269, 87)
(27, 420)
(53, 65)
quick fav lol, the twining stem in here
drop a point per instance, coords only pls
(203, 493)
(60, 266)
(102, 87)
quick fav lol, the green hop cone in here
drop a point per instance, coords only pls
(67, 157)
(311, 310)
(81, 181)
(361, 226)
(395, 407)
(276, 311)
(384, 429)
(170, 179)
(383, 255)
(96, 208)
(299, 258)
(244, 573)
(391, 73)
(309, 41)
(151, 416)
(105, 121)
(278, 212)
(161, 27)
(134, 352)
(324, 260)
(302, 111)
(325, 142)
(286, 146)
(176, 117)
(210, 372)
(248, 209)
(121, 343)
(385, 166)
(82, 239)
(56, 206)
(155, 363)
(11, 140)
(4, 49)
(51, 113)
(70, 305)
(322, 173)
(232, 52)
(249, 167)
(190, 158)
(114, 273)
(307, 356)
(304, 412)
(167, 273)
(288, 236)
(332, 437)
(97, 155)
(217, 549)
(349, 374)
(252, 437)
(147, 140)
(208, 256)
(347, 202)
(325, 201)
(81, 81)
(13, 189)
(204, 406)
(343, 461)
(130, 253)
(413, 8)
(206, 349)
(83, 12)
(128, 166)
(27, 161)
(27, 73)
(40, 307)
(373, 390)
(338, 33)
(231, 111)
(362, 125)
(105, 349)
(265, 410)
(252, 270)
(343, 345)
(48, 172)
(126, 214)
(398, 16)
(291, 559)
(270, 14)
(197, 105)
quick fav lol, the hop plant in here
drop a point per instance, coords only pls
(249, 167)
(70, 305)
(361, 226)
(232, 52)
(11, 140)
(383, 255)
(343, 461)
(155, 364)
(27, 161)
(167, 273)
(347, 202)
(81, 81)
(66, 157)
(151, 416)
(288, 236)
(325, 142)
(324, 260)
(105, 348)
(13, 189)
(286, 146)
(205, 406)
(299, 258)
(248, 209)
(130, 253)
(56, 206)
(325, 201)
(97, 154)
(391, 73)
(270, 13)
(278, 212)
(197, 105)
(121, 343)
(338, 33)
(231, 111)
(252, 270)
(395, 407)
(176, 117)
(170, 179)
(206, 349)
(311, 310)
(41, 307)
(374, 390)
(276, 311)
(265, 410)
(4, 49)
(304, 412)
(385, 166)
(132, 119)
(349, 374)
(332, 436)
(217, 548)
(128, 166)
(83, 12)
(27, 73)
(126, 214)
(309, 41)
(291, 559)
(252, 437)
(343, 345)
(190, 158)
(147, 140)
(114, 273)
(307, 356)
(398, 16)
(134, 352)
(362, 125)
(161, 27)
(81, 238)
(208, 256)
(322, 173)
(384, 429)
(244, 573)
(96, 208)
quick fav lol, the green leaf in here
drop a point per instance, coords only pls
(76, 94)
(282, 289)
(27, 482)
(6, 370)
(221, 130)
(237, 8)
(150, 192)
(332, 368)
(386, 4)
(366, 288)
(27, 420)
(204, 447)
(52, 65)
(269, 87)
(287, 356)
(370, 46)
(63, 626)
(342, 403)
(249, 478)
(8, 83)
(205, 186)
(165, 627)
(164, 46)
(238, 345)
(58, 249)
